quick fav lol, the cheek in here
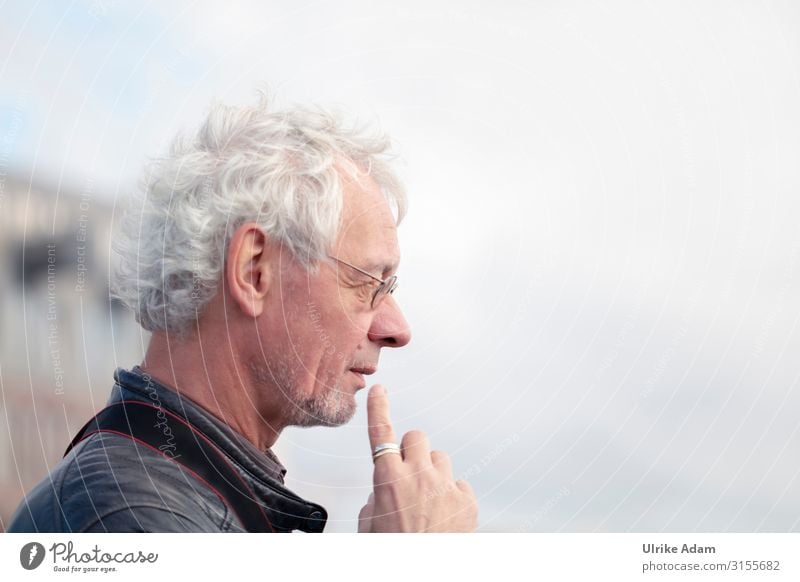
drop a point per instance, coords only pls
(338, 342)
(331, 329)
(322, 335)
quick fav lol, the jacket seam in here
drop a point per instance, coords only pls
(206, 495)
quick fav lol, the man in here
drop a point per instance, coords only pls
(262, 257)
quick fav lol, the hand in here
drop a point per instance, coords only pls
(414, 491)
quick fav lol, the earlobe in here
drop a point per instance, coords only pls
(247, 269)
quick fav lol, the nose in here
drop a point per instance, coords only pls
(389, 328)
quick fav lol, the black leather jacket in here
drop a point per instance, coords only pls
(111, 483)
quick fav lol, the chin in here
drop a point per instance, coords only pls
(336, 409)
(333, 422)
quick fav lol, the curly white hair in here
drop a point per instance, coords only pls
(280, 169)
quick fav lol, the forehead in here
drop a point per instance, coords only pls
(368, 233)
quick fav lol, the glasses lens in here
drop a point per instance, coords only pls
(384, 289)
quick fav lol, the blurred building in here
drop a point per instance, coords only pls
(62, 336)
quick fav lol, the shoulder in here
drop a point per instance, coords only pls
(112, 483)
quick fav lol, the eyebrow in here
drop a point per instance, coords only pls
(382, 267)
(377, 267)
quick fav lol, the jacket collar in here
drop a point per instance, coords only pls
(262, 469)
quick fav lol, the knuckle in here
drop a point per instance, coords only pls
(414, 437)
(379, 428)
(429, 478)
(440, 457)
(465, 487)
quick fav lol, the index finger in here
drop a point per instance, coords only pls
(379, 424)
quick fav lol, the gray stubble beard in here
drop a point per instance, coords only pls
(334, 407)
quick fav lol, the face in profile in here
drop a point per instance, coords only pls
(327, 328)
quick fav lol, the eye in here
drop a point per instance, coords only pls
(367, 290)
(368, 287)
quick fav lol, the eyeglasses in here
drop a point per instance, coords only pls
(385, 288)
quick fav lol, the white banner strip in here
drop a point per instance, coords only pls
(493, 557)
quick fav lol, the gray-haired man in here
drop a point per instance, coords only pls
(261, 256)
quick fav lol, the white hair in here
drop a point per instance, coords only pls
(279, 169)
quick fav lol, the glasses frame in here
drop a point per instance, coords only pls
(389, 284)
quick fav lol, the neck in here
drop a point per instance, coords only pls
(215, 380)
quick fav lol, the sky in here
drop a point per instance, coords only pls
(601, 257)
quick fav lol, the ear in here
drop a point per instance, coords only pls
(248, 269)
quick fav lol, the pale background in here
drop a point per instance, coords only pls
(601, 261)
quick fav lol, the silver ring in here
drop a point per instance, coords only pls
(384, 452)
(385, 449)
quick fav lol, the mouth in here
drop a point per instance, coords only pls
(360, 373)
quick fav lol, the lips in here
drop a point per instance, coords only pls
(361, 372)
